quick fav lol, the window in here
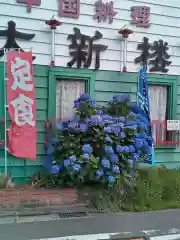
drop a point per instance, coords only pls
(66, 92)
(159, 100)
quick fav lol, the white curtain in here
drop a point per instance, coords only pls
(66, 92)
(158, 107)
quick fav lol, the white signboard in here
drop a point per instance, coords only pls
(173, 125)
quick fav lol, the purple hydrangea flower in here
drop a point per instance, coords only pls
(116, 169)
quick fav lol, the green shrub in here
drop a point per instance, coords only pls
(154, 189)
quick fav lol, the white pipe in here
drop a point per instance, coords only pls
(5, 117)
(53, 47)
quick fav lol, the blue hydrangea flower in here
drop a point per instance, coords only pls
(125, 149)
(93, 103)
(85, 156)
(76, 104)
(107, 119)
(50, 148)
(148, 149)
(73, 125)
(107, 129)
(130, 123)
(100, 173)
(55, 169)
(122, 135)
(99, 112)
(119, 119)
(72, 158)
(95, 120)
(114, 158)
(85, 97)
(105, 163)
(142, 126)
(119, 148)
(133, 127)
(138, 135)
(138, 143)
(135, 156)
(53, 162)
(76, 167)
(108, 149)
(83, 127)
(60, 126)
(111, 179)
(132, 115)
(116, 169)
(108, 139)
(145, 143)
(150, 140)
(67, 162)
(86, 148)
(115, 129)
(131, 148)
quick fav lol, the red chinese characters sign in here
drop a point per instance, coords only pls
(30, 3)
(22, 105)
(69, 8)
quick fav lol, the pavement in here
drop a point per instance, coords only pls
(161, 225)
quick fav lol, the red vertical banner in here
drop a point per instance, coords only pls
(21, 100)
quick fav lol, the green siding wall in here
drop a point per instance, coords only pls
(107, 84)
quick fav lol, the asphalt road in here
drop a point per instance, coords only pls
(52, 227)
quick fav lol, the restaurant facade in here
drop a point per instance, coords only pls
(96, 47)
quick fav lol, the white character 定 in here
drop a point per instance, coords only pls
(21, 71)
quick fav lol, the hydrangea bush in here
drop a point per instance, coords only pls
(100, 144)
